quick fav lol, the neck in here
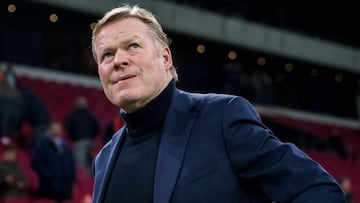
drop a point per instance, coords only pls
(137, 105)
(151, 114)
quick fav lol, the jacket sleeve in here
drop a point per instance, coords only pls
(279, 171)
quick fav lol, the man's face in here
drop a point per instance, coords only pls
(132, 67)
(10, 155)
(56, 130)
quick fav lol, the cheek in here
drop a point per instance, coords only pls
(102, 73)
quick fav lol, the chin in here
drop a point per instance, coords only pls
(124, 99)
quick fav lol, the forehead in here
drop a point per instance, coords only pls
(124, 26)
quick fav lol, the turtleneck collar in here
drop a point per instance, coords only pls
(151, 115)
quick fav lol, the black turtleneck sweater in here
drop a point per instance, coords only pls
(132, 178)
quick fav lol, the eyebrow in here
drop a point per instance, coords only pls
(131, 39)
(128, 39)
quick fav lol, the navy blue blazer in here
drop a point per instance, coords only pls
(214, 148)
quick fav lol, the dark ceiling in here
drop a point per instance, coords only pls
(329, 22)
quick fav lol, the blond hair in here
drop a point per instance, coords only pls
(142, 14)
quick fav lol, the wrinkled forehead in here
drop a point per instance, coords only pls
(126, 26)
(125, 21)
(123, 30)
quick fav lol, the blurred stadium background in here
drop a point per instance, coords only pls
(299, 65)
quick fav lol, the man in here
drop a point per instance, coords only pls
(183, 147)
(82, 128)
(53, 161)
(12, 179)
(345, 184)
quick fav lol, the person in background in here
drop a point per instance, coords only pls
(53, 161)
(345, 184)
(82, 128)
(10, 75)
(336, 143)
(12, 110)
(12, 179)
(113, 126)
(179, 146)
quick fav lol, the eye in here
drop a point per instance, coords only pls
(106, 55)
(134, 46)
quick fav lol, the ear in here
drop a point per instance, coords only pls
(167, 58)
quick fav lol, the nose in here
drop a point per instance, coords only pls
(121, 59)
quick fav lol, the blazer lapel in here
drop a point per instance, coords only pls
(110, 163)
(177, 128)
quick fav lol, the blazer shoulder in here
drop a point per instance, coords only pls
(206, 99)
(237, 106)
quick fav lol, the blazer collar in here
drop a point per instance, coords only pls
(177, 128)
(114, 149)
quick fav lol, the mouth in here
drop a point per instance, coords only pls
(122, 78)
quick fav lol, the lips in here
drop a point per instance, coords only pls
(122, 78)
